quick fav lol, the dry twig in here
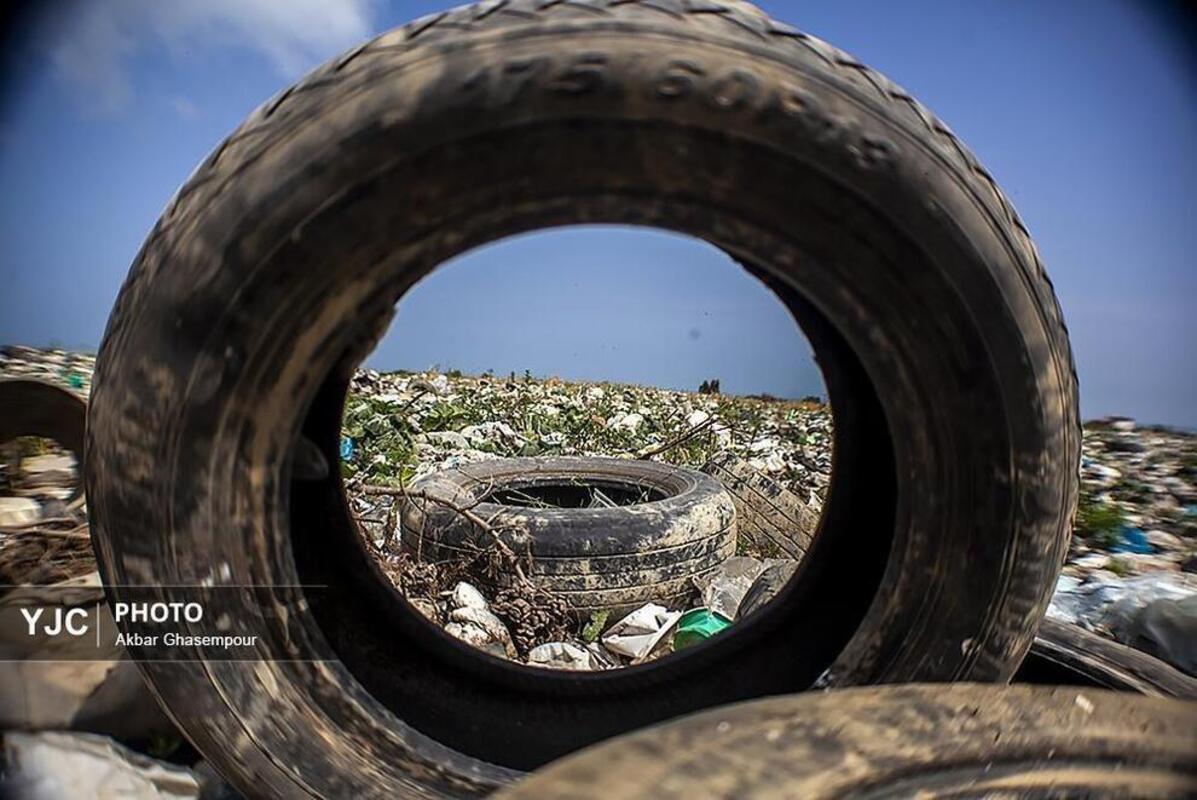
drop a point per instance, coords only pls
(672, 443)
(78, 532)
(468, 513)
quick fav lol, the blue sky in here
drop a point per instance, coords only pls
(1084, 110)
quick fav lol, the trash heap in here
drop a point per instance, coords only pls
(1137, 511)
(43, 520)
(1137, 515)
(72, 370)
(739, 587)
(1128, 575)
(400, 426)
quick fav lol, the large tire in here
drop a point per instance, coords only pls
(593, 558)
(1070, 655)
(901, 741)
(272, 271)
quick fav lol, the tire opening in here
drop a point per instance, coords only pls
(581, 565)
(41, 445)
(43, 502)
(579, 494)
(365, 627)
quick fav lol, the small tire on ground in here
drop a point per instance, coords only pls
(1069, 655)
(898, 741)
(593, 558)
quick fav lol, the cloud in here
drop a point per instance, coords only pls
(91, 42)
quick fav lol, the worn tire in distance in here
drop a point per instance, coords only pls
(593, 558)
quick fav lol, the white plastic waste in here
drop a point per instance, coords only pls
(472, 621)
(1111, 603)
(638, 634)
(73, 766)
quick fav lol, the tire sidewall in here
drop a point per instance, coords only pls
(231, 319)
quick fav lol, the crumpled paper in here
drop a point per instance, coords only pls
(638, 634)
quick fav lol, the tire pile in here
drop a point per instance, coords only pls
(220, 383)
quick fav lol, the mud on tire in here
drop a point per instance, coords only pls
(593, 558)
(897, 741)
(276, 266)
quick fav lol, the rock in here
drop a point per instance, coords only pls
(18, 511)
(471, 620)
(464, 595)
(483, 619)
(561, 655)
(80, 766)
(1123, 425)
(476, 636)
